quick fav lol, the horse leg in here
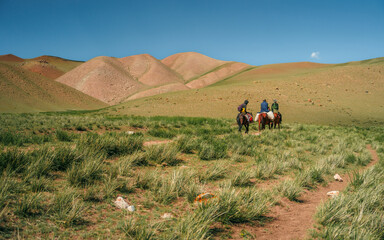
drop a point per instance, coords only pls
(246, 128)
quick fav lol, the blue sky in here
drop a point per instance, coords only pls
(251, 31)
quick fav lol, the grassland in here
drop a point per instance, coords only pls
(61, 172)
(341, 94)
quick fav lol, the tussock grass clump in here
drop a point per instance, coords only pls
(93, 194)
(39, 167)
(64, 136)
(11, 138)
(350, 158)
(364, 158)
(110, 185)
(145, 179)
(211, 149)
(64, 157)
(162, 133)
(29, 205)
(112, 144)
(267, 170)
(163, 153)
(186, 144)
(14, 160)
(86, 173)
(195, 225)
(67, 208)
(242, 179)
(216, 171)
(242, 206)
(139, 229)
(168, 188)
(135, 160)
(310, 177)
(41, 185)
(290, 189)
(238, 158)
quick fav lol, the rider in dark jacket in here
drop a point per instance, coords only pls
(243, 110)
(264, 106)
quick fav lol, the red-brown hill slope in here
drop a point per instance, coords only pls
(149, 70)
(25, 91)
(191, 64)
(10, 58)
(113, 80)
(104, 78)
(47, 66)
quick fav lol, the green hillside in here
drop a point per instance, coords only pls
(350, 93)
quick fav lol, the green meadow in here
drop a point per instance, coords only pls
(61, 173)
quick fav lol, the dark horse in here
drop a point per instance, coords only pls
(246, 121)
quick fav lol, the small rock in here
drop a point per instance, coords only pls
(122, 204)
(337, 177)
(333, 194)
(130, 132)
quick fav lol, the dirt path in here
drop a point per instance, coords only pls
(292, 220)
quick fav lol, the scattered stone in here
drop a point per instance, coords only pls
(366, 91)
(337, 177)
(333, 194)
(130, 132)
(122, 204)
(309, 100)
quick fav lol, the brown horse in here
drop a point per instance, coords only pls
(276, 121)
(263, 120)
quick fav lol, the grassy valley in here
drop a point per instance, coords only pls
(61, 173)
(307, 93)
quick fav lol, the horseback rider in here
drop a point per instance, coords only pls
(275, 108)
(243, 111)
(264, 106)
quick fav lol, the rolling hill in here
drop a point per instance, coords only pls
(350, 93)
(47, 66)
(191, 84)
(25, 91)
(114, 80)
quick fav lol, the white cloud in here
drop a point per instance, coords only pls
(315, 55)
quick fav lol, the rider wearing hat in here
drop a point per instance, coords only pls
(275, 106)
(275, 109)
(243, 110)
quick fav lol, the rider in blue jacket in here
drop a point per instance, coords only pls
(264, 106)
